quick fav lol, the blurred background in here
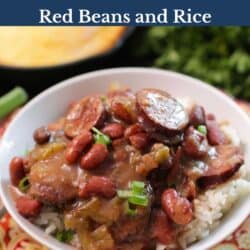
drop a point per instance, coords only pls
(36, 58)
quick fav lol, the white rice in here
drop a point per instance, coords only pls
(50, 221)
(210, 207)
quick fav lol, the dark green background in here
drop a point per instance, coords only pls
(218, 55)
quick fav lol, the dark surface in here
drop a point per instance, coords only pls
(36, 80)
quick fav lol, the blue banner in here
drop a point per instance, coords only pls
(125, 12)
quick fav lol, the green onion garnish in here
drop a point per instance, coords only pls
(64, 236)
(103, 98)
(124, 194)
(140, 200)
(136, 195)
(13, 99)
(202, 129)
(100, 137)
(24, 184)
(129, 210)
(137, 186)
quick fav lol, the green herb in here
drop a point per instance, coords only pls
(137, 186)
(129, 210)
(136, 195)
(202, 129)
(103, 98)
(140, 200)
(24, 184)
(124, 194)
(13, 99)
(217, 55)
(100, 137)
(64, 236)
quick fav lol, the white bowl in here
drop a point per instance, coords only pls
(53, 102)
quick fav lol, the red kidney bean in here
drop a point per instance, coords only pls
(94, 157)
(214, 134)
(17, 171)
(162, 229)
(133, 129)
(28, 207)
(179, 209)
(41, 135)
(78, 144)
(98, 185)
(139, 140)
(113, 130)
(195, 144)
(197, 116)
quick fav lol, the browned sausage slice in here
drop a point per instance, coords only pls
(85, 114)
(161, 110)
(123, 107)
(53, 181)
(220, 168)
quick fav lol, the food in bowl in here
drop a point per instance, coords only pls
(130, 171)
(48, 46)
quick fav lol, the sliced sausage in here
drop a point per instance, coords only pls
(123, 106)
(158, 109)
(98, 185)
(53, 181)
(94, 157)
(195, 143)
(179, 209)
(222, 166)
(87, 113)
(17, 170)
(214, 133)
(28, 207)
(113, 130)
(76, 147)
(197, 116)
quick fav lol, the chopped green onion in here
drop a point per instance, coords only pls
(136, 195)
(24, 184)
(124, 194)
(129, 210)
(202, 129)
(141, 200)
(137, 186)
(64, 236)
(13, 99)
(103, 98)
(100, 137)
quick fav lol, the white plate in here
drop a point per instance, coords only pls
(53, 102)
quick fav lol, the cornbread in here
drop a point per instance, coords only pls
(47, 46)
